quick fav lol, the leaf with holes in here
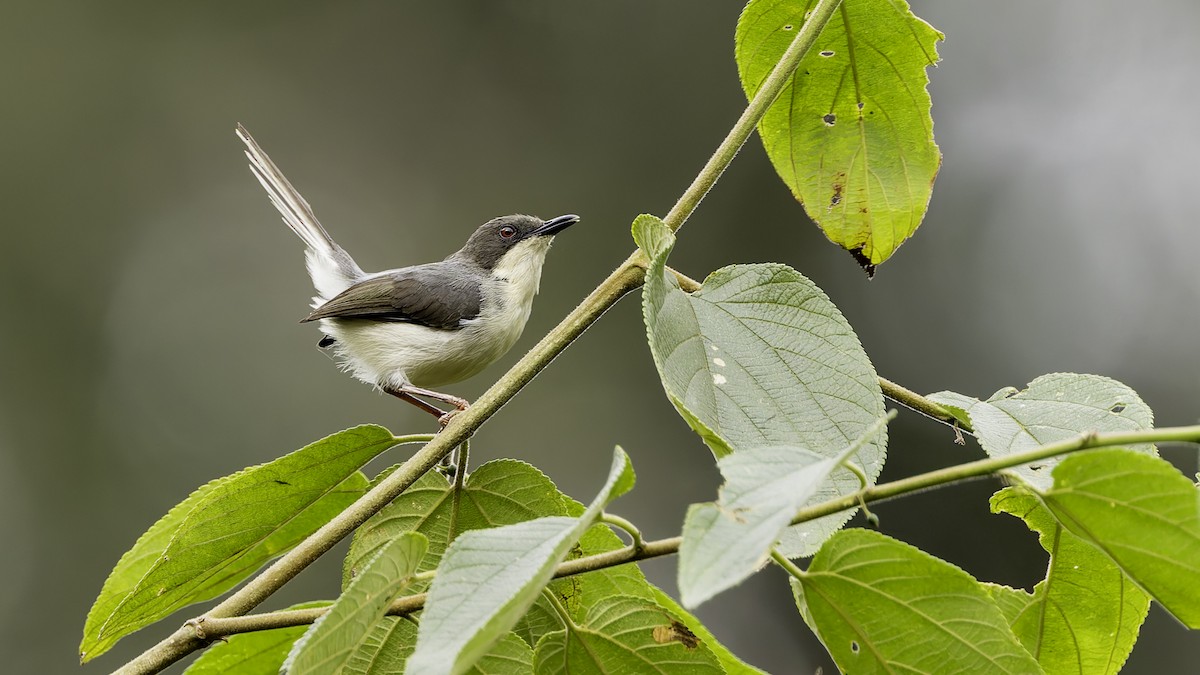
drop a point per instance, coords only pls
(228, 529)
(758, 357)
(1084, 616)
(625, 635)
(882, 606)
(1052, 408)
(851, 133)
(1143, 514)
(489, 578)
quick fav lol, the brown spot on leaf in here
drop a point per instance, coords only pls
(837, 195)
(676, 632)
(863, 261)
(827, 53)
(830, 119)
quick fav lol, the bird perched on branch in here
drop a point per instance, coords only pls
(407, 329)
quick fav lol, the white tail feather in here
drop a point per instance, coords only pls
(331, 268)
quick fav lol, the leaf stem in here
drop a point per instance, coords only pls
(788, 566)
(632, 530)
(215, 628)
(915, 401)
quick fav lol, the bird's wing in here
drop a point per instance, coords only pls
(428, 295)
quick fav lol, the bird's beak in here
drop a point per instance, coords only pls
(555, 225)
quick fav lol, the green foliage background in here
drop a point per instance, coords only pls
(151, 299)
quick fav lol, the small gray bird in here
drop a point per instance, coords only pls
(428, 325)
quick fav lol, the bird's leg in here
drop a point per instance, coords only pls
(405, 396)
(410, 393)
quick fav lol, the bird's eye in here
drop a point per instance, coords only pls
(508, 232)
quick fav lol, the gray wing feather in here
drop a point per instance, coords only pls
(431, 295)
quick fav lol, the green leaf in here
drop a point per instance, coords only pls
(334, 638)
(732, 664)
(726, 541)
(257, 653)
(850, 134)
(1052, 408)
(625, 635)
(1084, 616)
(228, 529)
(391, 643)
(1143, 514)
(758, 357)
(501, 492)
(882, 606)
(489, 578)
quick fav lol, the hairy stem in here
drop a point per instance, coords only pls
(214, 628)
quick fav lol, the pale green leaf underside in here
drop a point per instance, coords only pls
(851, 133)
(882, 606)
(387, 648)
(728, 540)
(625, 635)
(1052, 408)
(489, 578)
(257, 653)
(331, 642)
(1084, 617)
(233, 526)
(1143, 514)
(760, 357)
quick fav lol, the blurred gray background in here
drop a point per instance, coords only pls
(151, 295)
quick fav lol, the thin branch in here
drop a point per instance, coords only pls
(215, 628)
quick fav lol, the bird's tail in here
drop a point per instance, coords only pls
(331, 268)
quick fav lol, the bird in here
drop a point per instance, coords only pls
(410, 329)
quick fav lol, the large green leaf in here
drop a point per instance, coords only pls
(501, 492)
(882, 606)
(1143, 514)
(489, 578)
(228, 529)
(757, 357)
(850, 134)
(333, 639)
(1052, 408)
(730, 539)
(625, 635)
(1084, 617)
(258, 653)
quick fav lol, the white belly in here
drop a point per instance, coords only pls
(394, 354)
